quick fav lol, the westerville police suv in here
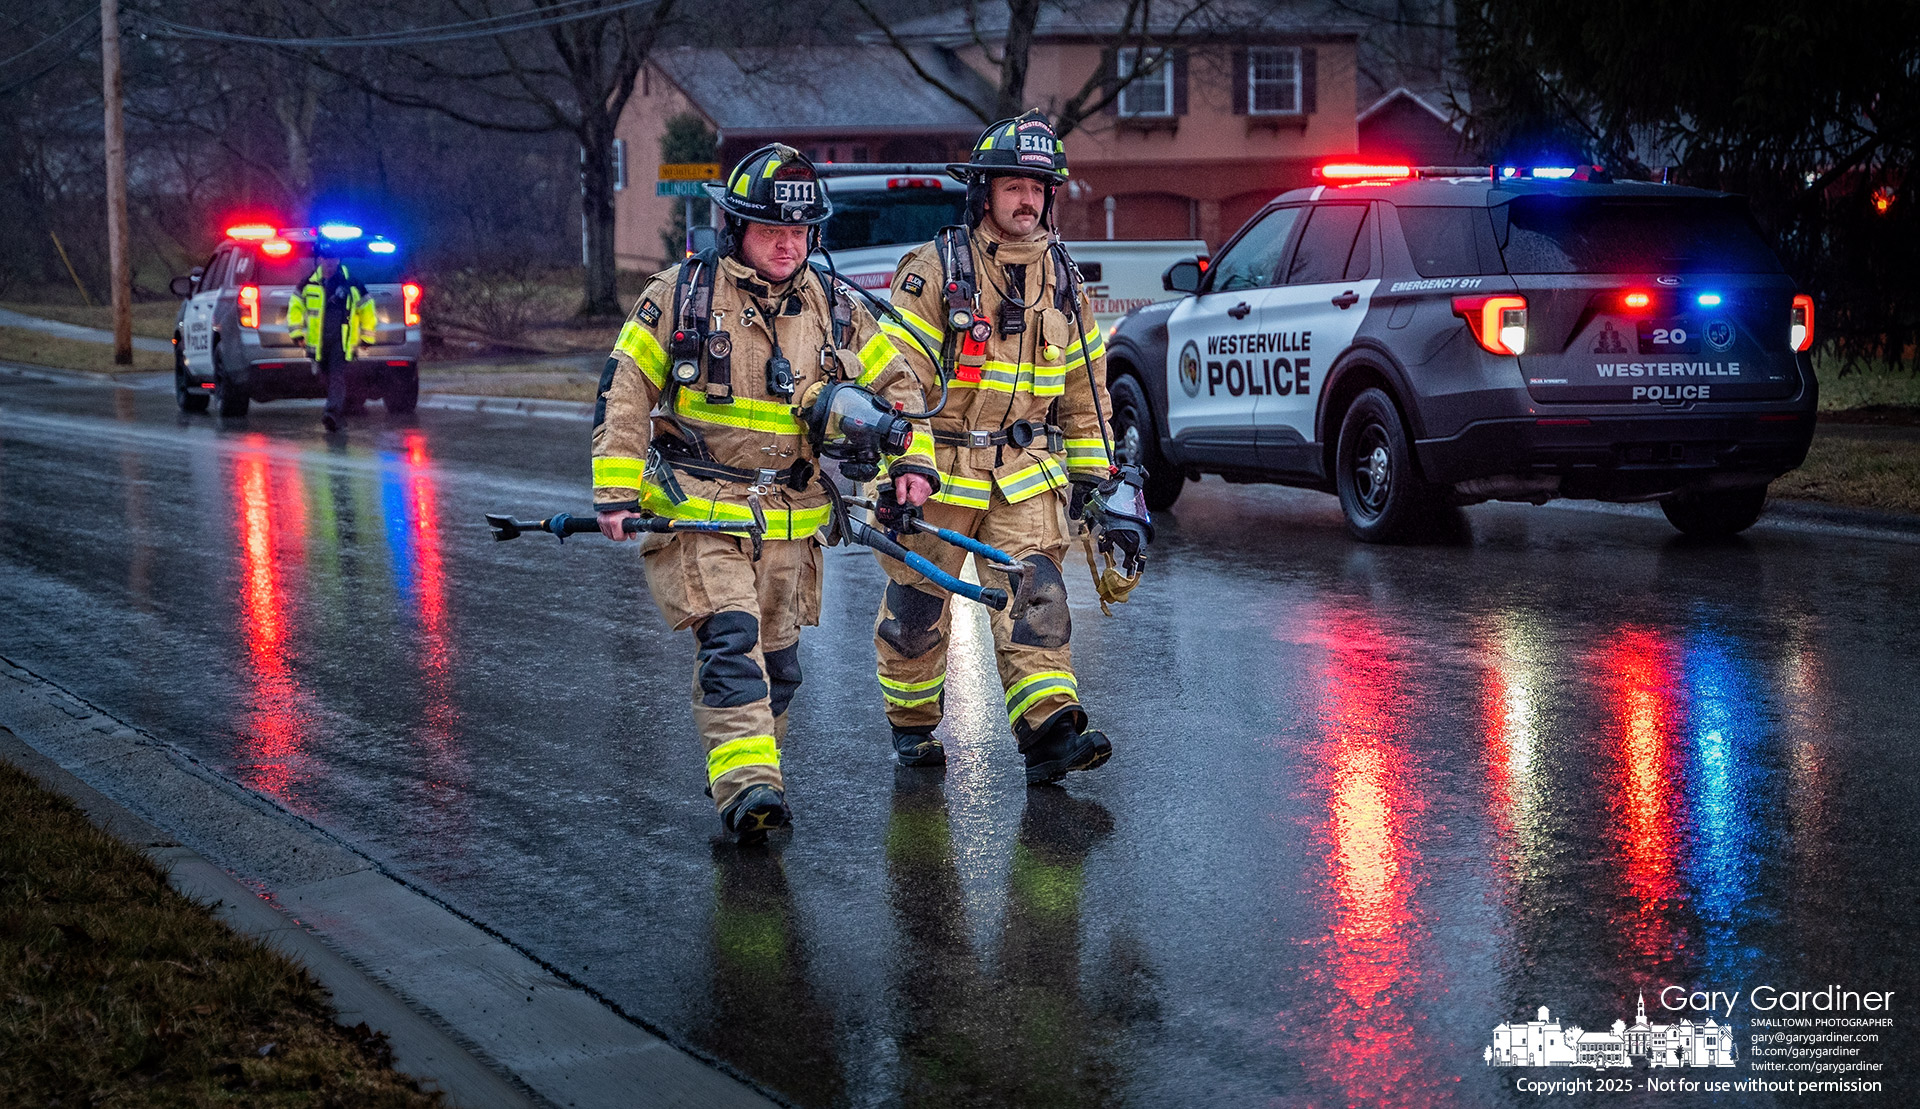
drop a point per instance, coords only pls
(1411, 338)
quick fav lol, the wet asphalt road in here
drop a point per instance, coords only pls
(1365, 803)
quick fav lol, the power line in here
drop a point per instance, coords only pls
(444, 32)
(87, 14)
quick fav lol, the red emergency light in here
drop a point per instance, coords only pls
(249, 306)
(913, 182)
(250, 231)
(1637, 300)
(1363, 171)
(410, 301)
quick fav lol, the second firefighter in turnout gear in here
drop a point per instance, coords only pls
(696, 421)
(335, 316)
(995, 307)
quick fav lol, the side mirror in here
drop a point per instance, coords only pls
(1182, 277)
(182, 286)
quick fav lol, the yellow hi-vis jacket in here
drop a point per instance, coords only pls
(309, 309)
(1053, 366)
(754, 428)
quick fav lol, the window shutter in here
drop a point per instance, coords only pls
(1180, 81)
(1309, 82)
(1109, 78)
(1239, 79)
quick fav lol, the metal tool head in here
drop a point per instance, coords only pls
(1020, 584)
(506, 527)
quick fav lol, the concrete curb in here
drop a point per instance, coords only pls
(462, 1006)
(420, 1049)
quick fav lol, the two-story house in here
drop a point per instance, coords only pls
(1223, 110)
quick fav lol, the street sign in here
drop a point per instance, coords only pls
(689, 171)
(679, 188)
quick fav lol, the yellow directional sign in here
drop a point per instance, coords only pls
(689, 171)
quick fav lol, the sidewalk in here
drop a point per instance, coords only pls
(463, 1007)
(10, 318)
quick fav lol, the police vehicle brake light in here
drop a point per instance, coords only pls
(1802, 329)
(250, 231)
(1498, 323)
(249, 306)
(1363, 171)
(410, 302)
(913, 182)
(277, 248)
(339, 232)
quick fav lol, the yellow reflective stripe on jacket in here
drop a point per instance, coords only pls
(909, 694)
(1087, 454)
(928, 332)
(1096, 346)
(1049, 381)
(755, 750)
(964, 492)
(799, 523)
(619, 473)
(1032, 481)
(1034, 688)
(639, 344)
(874, 357)
(771, 417)
(921, 443)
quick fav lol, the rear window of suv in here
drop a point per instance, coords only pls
(295, 268)
(882, 217)
(1441, 240)
(1560, 234)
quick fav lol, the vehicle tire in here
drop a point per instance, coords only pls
(1381, 490)
(229, 400)
(1719, 513)
(190, 397)
(400, 389)
(1136, 440)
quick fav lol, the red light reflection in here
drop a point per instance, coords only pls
(272, 539)
(447, 779)
(1639, 678)
(1366, 1044)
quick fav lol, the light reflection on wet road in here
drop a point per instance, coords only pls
(1366, 803)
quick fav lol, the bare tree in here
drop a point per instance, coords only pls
(1007, 43)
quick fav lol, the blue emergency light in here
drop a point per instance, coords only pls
(1708, 300)
(380, 246)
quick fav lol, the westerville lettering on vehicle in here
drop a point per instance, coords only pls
(1667, 369)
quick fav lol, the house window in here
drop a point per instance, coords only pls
(619, 164)
(1151, 94)
(1273, 80)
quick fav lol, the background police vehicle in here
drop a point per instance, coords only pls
(880, 212)
(1408, 338)
(231, 342)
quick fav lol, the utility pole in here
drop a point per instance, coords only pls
(121, 277)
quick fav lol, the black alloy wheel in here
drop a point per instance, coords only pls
(1380, 489)
(189, 396)
(229, 401)
(1136, 442)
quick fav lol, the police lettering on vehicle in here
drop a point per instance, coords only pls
(1672, 392)
(1258, 377)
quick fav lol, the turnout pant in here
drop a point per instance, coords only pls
(746, 618)
(911, 634)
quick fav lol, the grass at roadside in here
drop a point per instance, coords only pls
(1845, 467)
(20, 344)
(116, 990)
(153, 319)
(1870, 385)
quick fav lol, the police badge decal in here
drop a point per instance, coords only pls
(1190, 368)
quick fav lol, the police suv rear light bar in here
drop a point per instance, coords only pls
(1375, 173)
(913, 182)
(246, 231)
(1498, 323)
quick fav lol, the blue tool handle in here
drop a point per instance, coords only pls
(968, 543)
(879, 541)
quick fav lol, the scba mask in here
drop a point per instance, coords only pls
(1118, 512)
(853, 427)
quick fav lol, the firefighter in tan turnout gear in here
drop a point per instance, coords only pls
(697, 421)
(1022, 437)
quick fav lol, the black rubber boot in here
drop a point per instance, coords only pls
(918, 749)
(1064, 748)
(754, 812)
